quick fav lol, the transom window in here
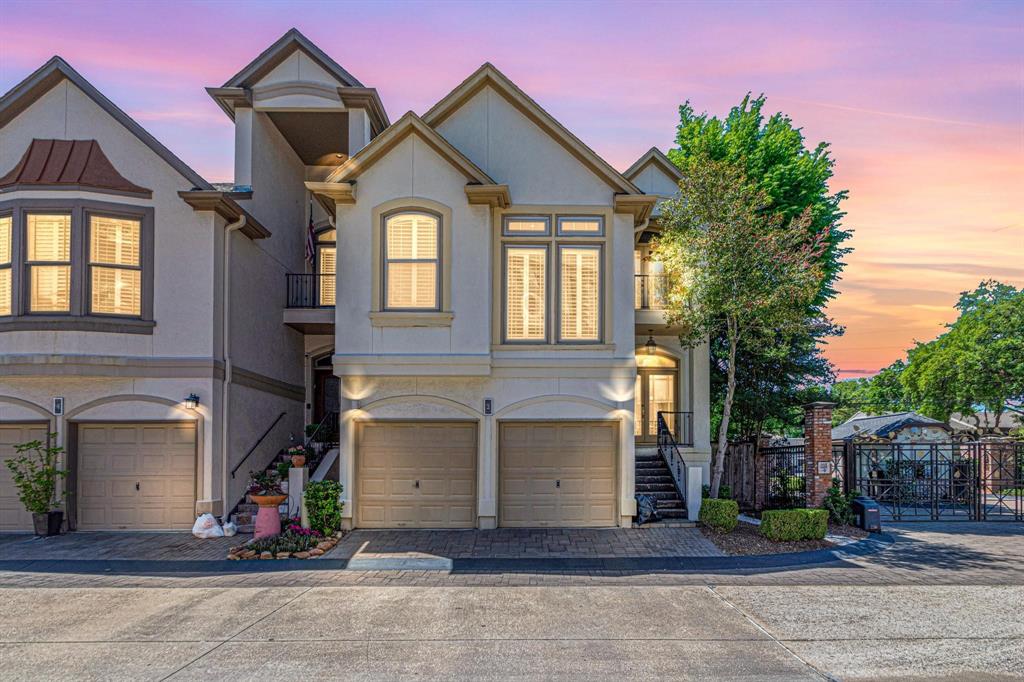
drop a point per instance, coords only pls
(412, 261)
(573, 299)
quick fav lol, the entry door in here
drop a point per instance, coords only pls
(655, 392)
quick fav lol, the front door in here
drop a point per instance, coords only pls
(655, 392)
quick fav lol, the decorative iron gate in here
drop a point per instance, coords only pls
(786, 485)
(974, 481)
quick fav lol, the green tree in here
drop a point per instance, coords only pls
(794, 180)
(737, 269)
(881, 393)
(978, 362)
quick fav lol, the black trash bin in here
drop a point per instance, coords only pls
(869, 516)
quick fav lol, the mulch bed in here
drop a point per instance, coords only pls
(243, 552)
(746, 539)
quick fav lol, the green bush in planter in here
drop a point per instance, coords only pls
(722, 515)
(788, 525)
(323, 506)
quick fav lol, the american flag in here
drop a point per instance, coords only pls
(310, 238)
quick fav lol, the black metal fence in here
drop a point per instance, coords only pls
(975, 481)
(784, 477)
(304, 290)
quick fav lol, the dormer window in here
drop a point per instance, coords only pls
(412, 264)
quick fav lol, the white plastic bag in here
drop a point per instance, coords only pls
(230, 529)
(207, 527)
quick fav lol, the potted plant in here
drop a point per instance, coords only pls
(35, 475)
(265, 489)
(298, 454)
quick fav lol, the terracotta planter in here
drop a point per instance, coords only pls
(272, 501)
(298, 461)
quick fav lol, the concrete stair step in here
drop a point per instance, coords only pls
(655, 488)
(247, 508)
(246, 528)
(243, 518)
(663, 495)
(674, 503)
(672, 513)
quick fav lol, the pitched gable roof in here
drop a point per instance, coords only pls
(68, 164)
(281, 50)
(409, 124)
(50, 74)
(488, 75)
(654, 156)
(882, 425)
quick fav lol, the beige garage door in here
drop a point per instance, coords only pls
(12, 515)
(557, 474)
(136, 476)
(416, 475)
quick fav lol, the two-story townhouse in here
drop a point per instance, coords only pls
(458, 301)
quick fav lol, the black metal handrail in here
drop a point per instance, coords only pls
(668, 448)
(680, 425)
(258, 441)
(309, 290)
(326, 430)
(650, 291)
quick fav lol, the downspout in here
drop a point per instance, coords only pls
(225, 354)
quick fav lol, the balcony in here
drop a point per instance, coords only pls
(309, 302)
(649, 296)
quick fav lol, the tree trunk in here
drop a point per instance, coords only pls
(723, 429)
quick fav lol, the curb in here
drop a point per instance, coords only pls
(675, 564)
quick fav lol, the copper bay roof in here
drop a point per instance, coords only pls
(67, 164)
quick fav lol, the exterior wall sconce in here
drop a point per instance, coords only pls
(192, 401)
(651, 347)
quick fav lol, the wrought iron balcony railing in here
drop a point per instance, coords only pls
(309, 290)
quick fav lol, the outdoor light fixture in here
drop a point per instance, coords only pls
(651, 346)
(192, 401)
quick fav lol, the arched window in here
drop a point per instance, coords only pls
(326, 265)
(412, 261)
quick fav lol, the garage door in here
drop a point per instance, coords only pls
(416, 475)
(136, 476)
(559, 474)
(12, 515)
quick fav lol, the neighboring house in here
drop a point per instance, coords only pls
(900, 427)
(981, 423)
(466, 321)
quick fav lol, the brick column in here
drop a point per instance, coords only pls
(817, 451)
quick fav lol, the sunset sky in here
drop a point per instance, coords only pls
(923, 104)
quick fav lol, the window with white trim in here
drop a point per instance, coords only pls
(526, 293)
(570, 293)
(115, 266)
(48, 262)
(6, 264)
(412, 263)
(580, 296)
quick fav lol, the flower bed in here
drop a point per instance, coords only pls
(747, 540)
(294, 542)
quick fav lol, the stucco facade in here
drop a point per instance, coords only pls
(239, 321)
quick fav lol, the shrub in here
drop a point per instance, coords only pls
(724, 492)
(288, 541)
(721, 515)
(839, 504)
(788, 525)
(324, 505)
(35, 475)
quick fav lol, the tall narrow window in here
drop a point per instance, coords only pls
(526, 293)
(5, 265)
(411, 262)
(115, 271)
(326, 266)
(581, 292)
(49, 262)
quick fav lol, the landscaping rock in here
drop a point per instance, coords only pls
(283, 555)
(266, 555)
(316, 551)
(301, 555)
(248, 554)
(233, 557)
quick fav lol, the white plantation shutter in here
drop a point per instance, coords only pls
(326, 264)
(581, 292)
(115, 274)
(5, 265)
(49, 241)
(526, 295)
(411, 261)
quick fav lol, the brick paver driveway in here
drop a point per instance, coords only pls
(179, 546)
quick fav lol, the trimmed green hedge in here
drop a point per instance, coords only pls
(788, 525)
(722, 515)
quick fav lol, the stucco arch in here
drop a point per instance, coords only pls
(605, 406)
(32, 407)
(430, 399)
(190, 415)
